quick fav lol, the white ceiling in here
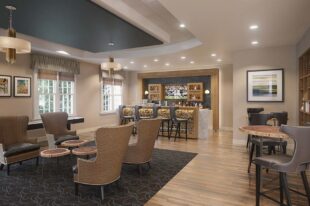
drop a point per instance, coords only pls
(223, 27)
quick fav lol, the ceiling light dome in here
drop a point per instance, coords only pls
(12, 45)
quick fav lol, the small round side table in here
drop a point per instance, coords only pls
(85, 151)
(53, 153)
(73, 143)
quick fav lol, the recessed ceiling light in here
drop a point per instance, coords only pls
(183, 57)
(156, 60)
(63, 52)
(213, 55)
(111, 44)
(125, 67)
(254, 42)
(219, 60)
(167, 64)
(145, 66)
(132, 62)
(253, 27)
(182, 25)
(192, 62)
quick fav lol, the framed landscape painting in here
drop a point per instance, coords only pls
(265, 85)
(22, 86)
(5, 86)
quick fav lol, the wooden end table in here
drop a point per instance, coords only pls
(53, 153)
(70, 144)
(85, 151)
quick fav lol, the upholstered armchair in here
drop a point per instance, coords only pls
(14, 145)
(55, 124)
(112, 144)
(141, 152)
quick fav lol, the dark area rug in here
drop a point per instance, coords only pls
(30, 185)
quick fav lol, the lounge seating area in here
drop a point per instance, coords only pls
(155, 102)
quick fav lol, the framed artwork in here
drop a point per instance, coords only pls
(265, 85)
(5, 86)
(22, 86)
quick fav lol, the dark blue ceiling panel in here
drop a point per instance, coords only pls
(76, 23)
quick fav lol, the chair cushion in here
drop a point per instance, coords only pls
(20, 148)
(65, 138)
(272, 161)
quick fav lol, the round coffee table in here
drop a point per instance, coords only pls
(58, 152)
(53, 153)
(85, 151)
(73, 143)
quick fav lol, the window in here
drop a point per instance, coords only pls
(111, 94)
(55, 93)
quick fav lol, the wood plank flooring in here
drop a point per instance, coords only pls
(217, 176)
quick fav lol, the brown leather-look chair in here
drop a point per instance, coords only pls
(55, 124)
(112, 144)
(141, 152)
(14, 145)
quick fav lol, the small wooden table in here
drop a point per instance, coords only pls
(85, 151)
(58, 152)
(271, 132)
(73, 143)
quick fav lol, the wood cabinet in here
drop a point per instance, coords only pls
(304, 88)
(195, 92)
(155, 92)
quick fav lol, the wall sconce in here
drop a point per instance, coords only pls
(207, 91)
(146, 92)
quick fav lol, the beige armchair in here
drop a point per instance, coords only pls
(112, 144)
(141, 152)
(14, 145)
(55, 124)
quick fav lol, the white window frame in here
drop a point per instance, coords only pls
(36, 113)
(101, 99)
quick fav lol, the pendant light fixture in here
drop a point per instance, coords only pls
(12, 45)
(111, 66)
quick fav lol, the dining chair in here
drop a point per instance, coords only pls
(14, 145)
(281, 117)
(105, 168)
(55, 125)
(140, 152)
(253, 110)
(262, 119)
(284, 164)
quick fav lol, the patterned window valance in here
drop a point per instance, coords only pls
(53, 63)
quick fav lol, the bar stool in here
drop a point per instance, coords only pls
(284, 164)
(179, 117)
(144, 112)
(165, 115)
(127, 114)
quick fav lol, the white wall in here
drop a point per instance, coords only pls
(258, 59)
(304, 44)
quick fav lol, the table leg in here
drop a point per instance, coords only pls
(258, 148)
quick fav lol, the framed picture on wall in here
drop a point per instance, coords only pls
(265, 85)
(22, 86)
(5, 86)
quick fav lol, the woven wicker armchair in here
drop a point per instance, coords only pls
(141, 152)
(112, 144)
(55, 124)
(14, 145)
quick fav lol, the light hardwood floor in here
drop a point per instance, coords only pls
(217, 176)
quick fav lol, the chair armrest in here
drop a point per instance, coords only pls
(32, 141)
(2, 159)
(71, 132)
(51, 141)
